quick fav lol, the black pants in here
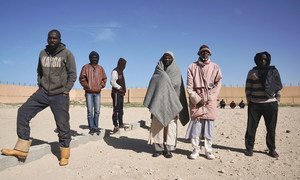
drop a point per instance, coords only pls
(59, 105)
(118, 102)
(269, 111)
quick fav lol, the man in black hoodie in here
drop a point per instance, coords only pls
(118, 92)
(263, 87)
(56, 76)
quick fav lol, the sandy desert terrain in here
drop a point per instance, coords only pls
(128, 156)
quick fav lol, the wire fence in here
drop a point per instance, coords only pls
(223, 85)
(18, 83)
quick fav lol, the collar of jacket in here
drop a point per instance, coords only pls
(201, 63)
(57, 50)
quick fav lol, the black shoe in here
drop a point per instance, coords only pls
(92, 131)
(116, 128)
(157, 153)
(249, 152)
(122, 126)
(168, 154)
(273, 154)
(97, 131)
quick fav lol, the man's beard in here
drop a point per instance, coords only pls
(94, 62)
(204, 58)
(52, 48)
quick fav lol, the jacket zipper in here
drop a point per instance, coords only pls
(49, 74)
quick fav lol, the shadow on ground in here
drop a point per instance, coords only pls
(123, 142)
(55, 148)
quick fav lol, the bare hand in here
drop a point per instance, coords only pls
(200, 103)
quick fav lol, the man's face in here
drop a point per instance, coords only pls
(263, 60)
(167, 60)
(205, 55)
(122, 66)
(94, 60)
(53, 39)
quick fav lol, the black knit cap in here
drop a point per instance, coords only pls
(94, 53)
(203, 48)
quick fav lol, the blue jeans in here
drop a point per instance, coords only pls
(93, 109)
(59, 105)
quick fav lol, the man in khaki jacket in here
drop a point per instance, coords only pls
(56, 77)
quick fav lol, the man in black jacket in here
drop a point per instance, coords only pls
(263, 87)
(56, 76)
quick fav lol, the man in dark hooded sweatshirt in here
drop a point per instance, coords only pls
(263, 87)
(56, 76)
(93, 79)
(118, 92)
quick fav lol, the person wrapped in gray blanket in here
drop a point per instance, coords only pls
(166, 100)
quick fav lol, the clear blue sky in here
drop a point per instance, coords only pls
(142, 30)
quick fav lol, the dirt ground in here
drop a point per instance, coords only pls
(128, 156)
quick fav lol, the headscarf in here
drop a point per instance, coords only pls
(262, 70)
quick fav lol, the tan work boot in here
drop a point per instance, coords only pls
(20, 151)
(64, 156)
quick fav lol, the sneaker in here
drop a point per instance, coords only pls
(168, 154)
(92, 131)
(97, 131)
(273, 154)
(116, 128)
(195, 154)
(122, 126)
(249, 152)
(157, 153)
(210, 155)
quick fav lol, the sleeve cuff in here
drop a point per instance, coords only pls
(195, 98)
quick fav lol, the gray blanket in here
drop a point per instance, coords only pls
(165, 97)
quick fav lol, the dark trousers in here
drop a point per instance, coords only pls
(118, 102)
(59, 105)
(269, 111)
